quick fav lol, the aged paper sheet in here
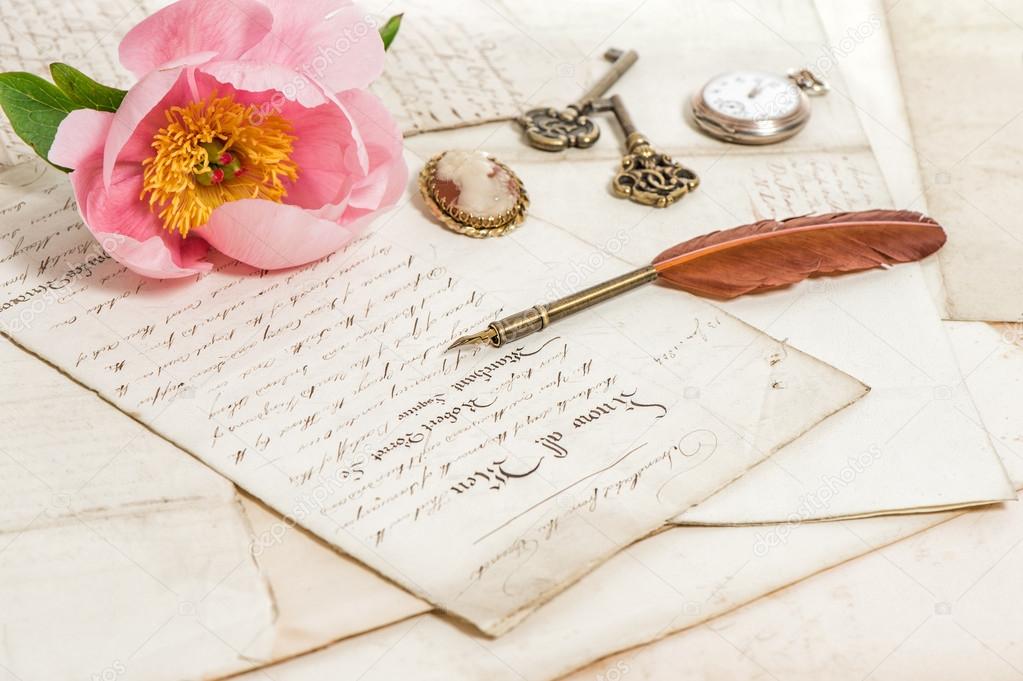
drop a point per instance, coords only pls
(896, 613)
(915, 447)
(115, 547)
(991, 357)
(901, 612)
(325, 392)
(154, 553)
(811, 546)
(657, 586)
(319, 595)
(859, 43)
(666, 592)
(957, 68)
(450, 69)
(880, 327)
(84, 34)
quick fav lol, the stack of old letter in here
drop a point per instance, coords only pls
(206, 479)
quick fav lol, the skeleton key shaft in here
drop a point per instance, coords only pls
(622, 115)
(551, 129)
(621, 62)
(646, 175)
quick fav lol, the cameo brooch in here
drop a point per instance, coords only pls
(472, 193)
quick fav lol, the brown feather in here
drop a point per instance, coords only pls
(769, 254)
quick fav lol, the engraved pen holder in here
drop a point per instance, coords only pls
(539, 317)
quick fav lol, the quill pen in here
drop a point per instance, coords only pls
(747, 259)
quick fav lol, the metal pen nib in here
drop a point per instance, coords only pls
(485, 336)
(540, 317)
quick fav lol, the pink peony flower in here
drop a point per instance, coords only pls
(250, 130)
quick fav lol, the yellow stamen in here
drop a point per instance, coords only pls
(176, 180)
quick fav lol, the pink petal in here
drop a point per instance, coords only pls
(334, 212)
(261, 78)
(357, 157)
(272, 236)
(193, 59)
(152, 258)
(333, 182)
(287, 87)
(80, 137)
(382, 187)
(142, 101)
(127, 229)
(388, 172)
(190, 26)
(330, 41)
(323, 136)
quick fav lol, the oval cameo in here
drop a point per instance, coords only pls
(477, 194)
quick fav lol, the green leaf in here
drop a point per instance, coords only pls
(389, 31)
(84, 91)
(36, 108)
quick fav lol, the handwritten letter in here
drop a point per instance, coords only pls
(483, 480)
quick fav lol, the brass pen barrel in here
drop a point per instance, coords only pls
(539, 317)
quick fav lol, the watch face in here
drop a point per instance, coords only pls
(752, 96)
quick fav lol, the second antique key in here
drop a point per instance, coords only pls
(551, 129)
(646, 175)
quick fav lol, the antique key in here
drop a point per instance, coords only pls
(646, 175)
(553, 129)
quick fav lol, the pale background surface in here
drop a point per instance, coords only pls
(946, 631)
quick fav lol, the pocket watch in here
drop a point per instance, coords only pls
(754, 107)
